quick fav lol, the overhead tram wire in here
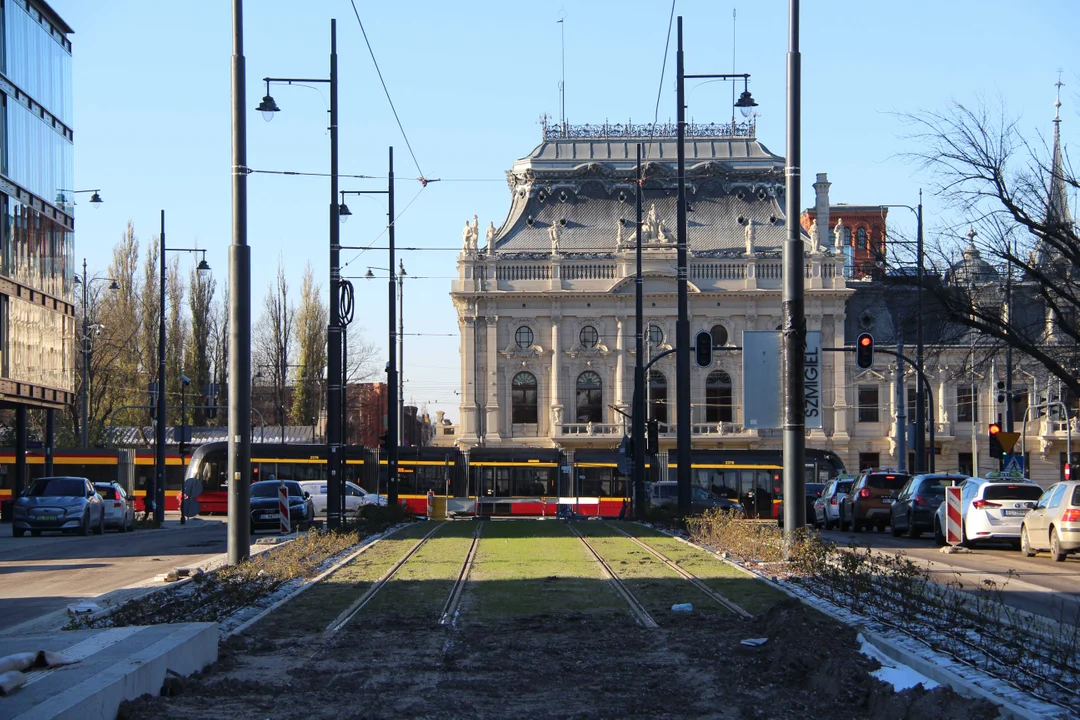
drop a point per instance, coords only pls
(660, 89)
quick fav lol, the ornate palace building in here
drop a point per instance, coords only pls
(546, 305)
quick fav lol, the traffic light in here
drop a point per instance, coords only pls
(1001, 391)
(996, 450)
(384, 441)
(703, 349)
(864, 351)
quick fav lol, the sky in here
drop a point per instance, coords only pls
(469, 81)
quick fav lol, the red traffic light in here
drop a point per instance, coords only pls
(864, 351)
(994, 428)
(865, 340)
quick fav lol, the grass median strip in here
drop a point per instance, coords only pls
(529, 568)
(316, 608)
(736, 585)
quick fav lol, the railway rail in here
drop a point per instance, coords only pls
(641, 615)
(449, 611)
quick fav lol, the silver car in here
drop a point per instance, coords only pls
(119, 508)
(66, 504)
(1054, 523)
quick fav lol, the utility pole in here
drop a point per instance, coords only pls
(391, 366)
(335, 462)
(637, 429)
(239, 463)
(682, 324)
(901, 417)
(920, 387)
(159, 450)
(793, 308)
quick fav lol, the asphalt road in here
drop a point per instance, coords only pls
(1038, 585)
(39, 575)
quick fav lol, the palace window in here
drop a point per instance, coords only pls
(868, 403)
(654, 336)
(719, 335)
(967, 409)
(860, 238)
(524, 337)
(523, 398)
(588, 337)
(658, 396)
(590, 398)
(718, 407)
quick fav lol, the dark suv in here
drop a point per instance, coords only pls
(914, 507)
(869, 502)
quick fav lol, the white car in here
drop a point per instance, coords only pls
(991, 508)
(827, 506)
(355, 496)
(119, 507)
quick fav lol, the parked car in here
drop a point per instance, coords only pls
(119, 508)
(1054, 523)
(264, 506)
(992, 508)
(827, 506)
(67, 504)
(870, 498)
(914, 506)
(813, 492)
(666, 492)
(355, 496)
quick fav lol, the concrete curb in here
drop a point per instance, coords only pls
(1020, 706)
(187, 650)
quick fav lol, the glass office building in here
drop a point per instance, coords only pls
(37, 314)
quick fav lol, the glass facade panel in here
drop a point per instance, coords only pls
(37, 61)
(38, 158)
(35, 251)
(41, 345)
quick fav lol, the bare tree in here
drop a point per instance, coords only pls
(1018, 282)
(312, 317)
(199, 348)
(273, 343)
(219, 350)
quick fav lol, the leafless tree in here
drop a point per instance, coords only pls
(273, 343)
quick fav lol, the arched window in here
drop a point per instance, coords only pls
(658, 397)
(588, 337)
(847, 237)
(718, 397)
(590, 398)
(860, 238)
(719, 335)
(524, 337)
(523, 398)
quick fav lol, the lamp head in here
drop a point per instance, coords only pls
(401, 268)
(114, 285)
(369, 275)
(96, 200)
(78, 280)
(203, 265)
(268, 107)
(185, 379)
(745, 103)
(343, 212)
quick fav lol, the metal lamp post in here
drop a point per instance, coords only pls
(268, 107)
(159, 455)
(85, 394)
(745, 103)
(400, 346)
(95, 199)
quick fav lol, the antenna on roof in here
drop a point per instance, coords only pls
(562, 82)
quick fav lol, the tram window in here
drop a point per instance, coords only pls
(502, 481)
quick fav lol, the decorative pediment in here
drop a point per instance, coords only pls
(871, 374)
(652, 283)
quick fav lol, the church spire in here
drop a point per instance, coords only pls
(1057, 209)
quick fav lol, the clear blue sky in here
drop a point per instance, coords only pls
(469, 80)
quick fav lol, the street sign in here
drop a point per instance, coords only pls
(762, 386)
(954, 534)
(1008, 440)
(1014, 464)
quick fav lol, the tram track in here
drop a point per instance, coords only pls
(689, 577)
(449, 610)
(641, 615)
(350, 612)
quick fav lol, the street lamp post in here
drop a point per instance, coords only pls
(159, 455)
(95, 199)
(333, 336)
(682, 325)
(85, 394)
(400, 345)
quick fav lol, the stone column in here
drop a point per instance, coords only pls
(493, 427)
(468, 377)
(556, 401)
(620, 361)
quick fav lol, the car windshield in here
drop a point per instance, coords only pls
(57, 487)
(270, 489)
(1012, 492)
(843, 487)
(1076, 496)
(814, 489)
(893, 481)
(107, 492)
(702, 494)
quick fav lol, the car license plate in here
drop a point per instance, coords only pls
(269, 516)
(46, 517)
(1014, 513)
(887, 501)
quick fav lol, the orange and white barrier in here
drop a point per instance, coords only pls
(954, 530)
(283, 508)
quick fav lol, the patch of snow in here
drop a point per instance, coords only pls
(900, 676)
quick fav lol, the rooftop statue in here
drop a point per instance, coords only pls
(839, 241)
(553, 233)
(469, 235)
(490, 236)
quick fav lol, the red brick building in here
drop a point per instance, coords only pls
(863, 231)
(366, 413)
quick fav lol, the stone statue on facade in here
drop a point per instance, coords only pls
(618, 235)
(490, 235)
(556, 415)
(751, 236)
(815, 236)
(553, 233)
(469, 235)
(652, 229)
(839, 241)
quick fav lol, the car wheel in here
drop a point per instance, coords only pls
(17, 532)
(939, 539)
(912, 531)
(1025, 543)
(84, 526)
(122, 527)
(895, 530)
(1055, 547)
(101, 524)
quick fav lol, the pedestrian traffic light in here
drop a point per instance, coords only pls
(996, 450)
(703, 349)
(864, 351)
